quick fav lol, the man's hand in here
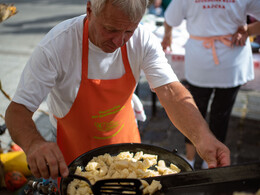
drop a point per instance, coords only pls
(185, 115)
(239, 38)
(46, 160)
(215, 153)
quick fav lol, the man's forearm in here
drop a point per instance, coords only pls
(21, 126)
(183, 112)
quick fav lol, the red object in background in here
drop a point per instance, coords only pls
(15, 147)
(14, 180)
(177, 57)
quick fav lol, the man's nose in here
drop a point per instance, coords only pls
(118, 40)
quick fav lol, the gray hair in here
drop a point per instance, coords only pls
(135, 9)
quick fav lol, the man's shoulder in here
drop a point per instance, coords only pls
(144, 36)
(65, 30)
(70, 24)
(141, 29)
(75, 21)
(141, 34)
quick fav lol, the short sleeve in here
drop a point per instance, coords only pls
(36, 81)
(175, 13)
(155, 65)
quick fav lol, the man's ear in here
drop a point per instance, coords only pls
(89, 9)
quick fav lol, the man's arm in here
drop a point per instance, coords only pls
(44, 158)
(184, 114)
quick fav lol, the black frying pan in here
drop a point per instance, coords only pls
(115, 149)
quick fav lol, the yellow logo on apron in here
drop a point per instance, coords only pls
(106, 126)
(108, 112)
(110, 125)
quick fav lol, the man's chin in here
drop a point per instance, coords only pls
(109, 49)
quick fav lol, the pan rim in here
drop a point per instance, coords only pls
(119, 147)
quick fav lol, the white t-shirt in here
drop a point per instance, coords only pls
(214, 18)
(54, 68)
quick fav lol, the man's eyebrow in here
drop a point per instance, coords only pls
(110, 27)
(113, 28)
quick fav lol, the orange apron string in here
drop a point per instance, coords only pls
(209, 42)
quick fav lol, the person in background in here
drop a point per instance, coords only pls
(89, 67)
(218, 56)
(158, 7)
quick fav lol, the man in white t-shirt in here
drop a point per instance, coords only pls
(88, 67)
(218, 56)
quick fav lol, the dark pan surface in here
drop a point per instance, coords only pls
(222, 180)
(115, 149)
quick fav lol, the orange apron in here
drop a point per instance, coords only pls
(209, 42)
(101, 114)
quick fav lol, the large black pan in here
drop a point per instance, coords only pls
(115, 149)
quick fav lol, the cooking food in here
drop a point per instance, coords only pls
(124, 165)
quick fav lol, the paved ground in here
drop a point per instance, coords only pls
(20, 34)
